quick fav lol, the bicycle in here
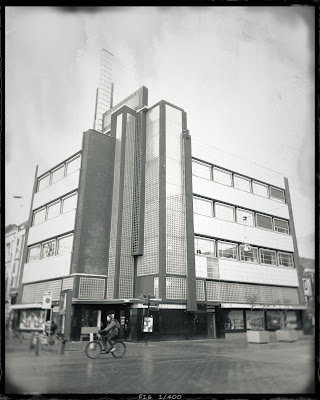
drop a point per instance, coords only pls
(96, 347)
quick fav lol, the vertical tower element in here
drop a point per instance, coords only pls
(104, 94)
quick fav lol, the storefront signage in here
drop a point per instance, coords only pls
(148, 324)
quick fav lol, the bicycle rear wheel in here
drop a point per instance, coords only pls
(120, 349)
(93, 349)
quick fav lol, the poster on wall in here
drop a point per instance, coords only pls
(32, 319)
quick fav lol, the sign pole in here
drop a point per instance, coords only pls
(49, 336)
(148, 300)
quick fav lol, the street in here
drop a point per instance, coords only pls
(180, 367)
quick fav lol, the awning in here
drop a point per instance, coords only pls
(264, 306)
(25, 306)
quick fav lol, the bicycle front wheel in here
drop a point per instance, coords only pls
(120, 349)
(93, 349)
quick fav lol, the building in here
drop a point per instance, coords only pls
(140, 209)
(308, 279)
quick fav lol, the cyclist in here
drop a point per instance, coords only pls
(111, 331)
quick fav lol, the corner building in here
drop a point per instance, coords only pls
(138, 210)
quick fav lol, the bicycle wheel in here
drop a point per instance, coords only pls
(93, 349)
(120, 349)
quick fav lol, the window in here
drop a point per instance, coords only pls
(39, 216)
(202, 206)
(54, 210)
(245, 217)
(264, 221)
(285, 259)
(8, 252)
(201, 169)
(222, 176)
(241, 183)
(48, 249)
(18, 248)
(73, 165)
(228, 250)
(43, 182)
(204, 246)
(260, 189)
(249, 255)
(34, 253)
(224, 212)
(268, 257)
(281, 226)
(69, 203)
(57, 174)
(277, 194)
(65, 244)
(234, 320)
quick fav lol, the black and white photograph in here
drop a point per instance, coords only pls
(159, 199)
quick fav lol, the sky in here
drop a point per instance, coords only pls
(244, 75)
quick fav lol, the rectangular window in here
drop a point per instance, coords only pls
(285, 259)
(260, 189)
(222, 211)
(201, 169)
(277, 194)
(222, 176)
(48, 249)
(8, 252)
(43, 182)
(234, 320)
(54, 210)
(39, 216)
(242, 183)
(65, 244)
(57, 174)
(204, 246)
(281, 226)
(69, 203)
(228, 250)
(202, 206)
(268, 257)
(73, 165)
(245, 217)
(34, 253)
(264, 221)
(249, 254)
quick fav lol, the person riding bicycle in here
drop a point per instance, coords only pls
(111, 331)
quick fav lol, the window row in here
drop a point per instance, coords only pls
(50, 248)
(55, 208)
(227, 178)
(235, 214)
(60, 172)
(247, 253)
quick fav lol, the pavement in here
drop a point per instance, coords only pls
(211, 366)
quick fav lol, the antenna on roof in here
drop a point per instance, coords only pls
(104, 92)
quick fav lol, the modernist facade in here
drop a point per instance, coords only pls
(141, 209)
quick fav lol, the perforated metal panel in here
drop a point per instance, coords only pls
(176, 288)
(34, 292)
(137, 188)
(126, 258)
(115, 206)
(200, 290)
(243, 293)
(67, 283)
(91, 288)
(149, 263)
(176, 246)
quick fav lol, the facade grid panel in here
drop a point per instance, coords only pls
(176, 288)
(200, 290)
(33, 293)
(91, 288)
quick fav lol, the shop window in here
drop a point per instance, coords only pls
(281, 226)
(222, 176)
(224, 212)
(268, 257)
(202, 206)
(57, 174)
(204, 246)
(285, 259)
(43, 182)
(275, 319)
(255, 320)
(200, 169)
(65, 244)
(277, 194)
(54, 210)
(48, 249)
(249, 254)
(235, 320)
(73, 165)
(239, 182)
(228, 250)
(34, 253)
(260, 189)
(245, 217)
(263, 221)
(69, 203)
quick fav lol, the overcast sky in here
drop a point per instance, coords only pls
(244, 75)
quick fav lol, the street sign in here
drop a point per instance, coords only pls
(148, 324)
(47, 301)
